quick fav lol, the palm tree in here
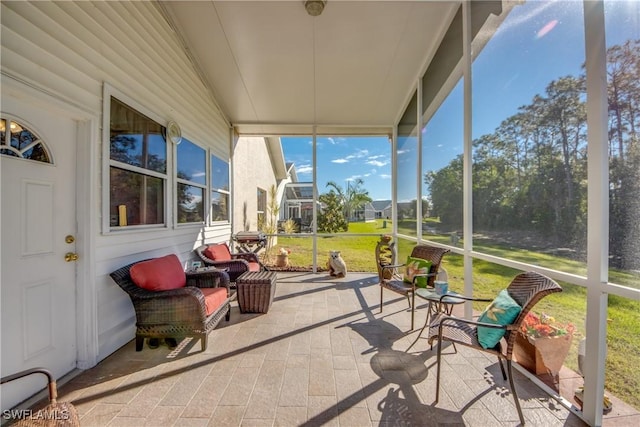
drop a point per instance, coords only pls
(353, 198)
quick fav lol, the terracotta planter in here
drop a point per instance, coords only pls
(542, 355)
(282, 260)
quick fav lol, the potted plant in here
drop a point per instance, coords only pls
(542, 344)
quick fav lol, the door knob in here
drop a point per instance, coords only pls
(70, 256)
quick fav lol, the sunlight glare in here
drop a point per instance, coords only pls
(546, 29)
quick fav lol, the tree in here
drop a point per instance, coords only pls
(445, 187)
(351, 199)
(331, 219)
(530, 174)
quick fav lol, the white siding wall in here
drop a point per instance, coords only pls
(69, 50)
(252, 169)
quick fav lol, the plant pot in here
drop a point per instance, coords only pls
(282, 260)
(543, 355)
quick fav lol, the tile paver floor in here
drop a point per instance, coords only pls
(323, 355)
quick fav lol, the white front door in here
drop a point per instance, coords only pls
(38, 229)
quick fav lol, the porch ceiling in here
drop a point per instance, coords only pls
(269, 64)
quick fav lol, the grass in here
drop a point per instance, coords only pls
(623, 327)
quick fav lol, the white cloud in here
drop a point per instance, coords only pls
(304, 169)
(198, 174)
(385, 176)
(340, 161)
(377, 163)
(358, 155)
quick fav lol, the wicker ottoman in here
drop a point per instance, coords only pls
(256, 291)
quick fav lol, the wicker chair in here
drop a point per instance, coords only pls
(233, 263)
(389, 274)
(178, 312)
(526, 289)
(58, 414)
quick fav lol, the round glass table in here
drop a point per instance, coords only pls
(437, 304)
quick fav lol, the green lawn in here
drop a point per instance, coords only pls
(623, 329)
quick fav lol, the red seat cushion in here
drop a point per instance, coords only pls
(254, 266)
(213, 298)
(159, 274)
(218, 252)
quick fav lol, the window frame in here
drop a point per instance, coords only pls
(5, 144)
(213, 189)
(205, 187)
(108, 163)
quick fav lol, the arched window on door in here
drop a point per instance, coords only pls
(21, 142)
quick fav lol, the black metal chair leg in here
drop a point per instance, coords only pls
(504, 374)
(515, 394)
(438, 370)
(426, 322)
(413, 308)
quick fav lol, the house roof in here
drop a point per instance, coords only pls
(380, 205)
(275, 70)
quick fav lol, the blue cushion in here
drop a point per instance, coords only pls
(502, 311)
(416, 266)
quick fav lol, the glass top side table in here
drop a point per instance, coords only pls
(437, 304)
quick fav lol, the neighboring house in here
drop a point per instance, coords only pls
(297, 204)
(370, 211)
(381, 209)
(363, 213)
(258, 164)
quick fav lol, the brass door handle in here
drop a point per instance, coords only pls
(70, 256)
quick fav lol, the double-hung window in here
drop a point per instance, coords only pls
(191, 183)
(219, 189)
(137, 168)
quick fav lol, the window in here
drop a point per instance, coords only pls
(262, 207)
(21, 142)
(219, 189)
(442, 171)
(191, 182)
(137, 168)
(529, 139)
(406, 185)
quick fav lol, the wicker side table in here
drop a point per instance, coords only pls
(256, 291)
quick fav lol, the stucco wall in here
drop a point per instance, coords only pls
(252, 170)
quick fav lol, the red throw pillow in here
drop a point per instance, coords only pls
(218, 252)
(159, 274)
(213, 298)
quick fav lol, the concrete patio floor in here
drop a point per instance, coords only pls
(323, 355)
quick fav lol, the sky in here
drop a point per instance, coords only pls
(537, 43)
